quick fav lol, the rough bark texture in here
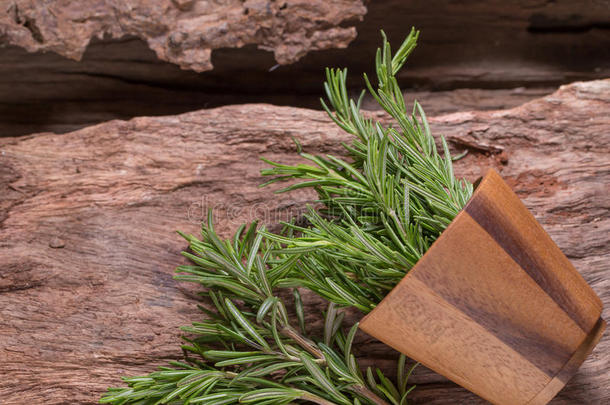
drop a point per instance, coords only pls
(493, 41)
(475, 44)
(87, 219)
(183, 32)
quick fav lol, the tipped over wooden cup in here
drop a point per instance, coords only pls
(493, 305)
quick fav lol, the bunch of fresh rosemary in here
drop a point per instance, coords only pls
(254, 354)
(381, 212)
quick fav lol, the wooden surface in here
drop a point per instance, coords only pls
(471, 297)
(183, 32)
(494, 41)
(508, 46)
(87, 247)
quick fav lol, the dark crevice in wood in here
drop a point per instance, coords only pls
(18, 287)
(30, 24)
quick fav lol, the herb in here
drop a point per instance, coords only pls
(247, 351)
(381, 212)
(383, 209)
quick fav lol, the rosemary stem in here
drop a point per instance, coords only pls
(308, 345)
(367, 393)
(316, 399)
(302, 341)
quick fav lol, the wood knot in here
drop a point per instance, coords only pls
(57, 243)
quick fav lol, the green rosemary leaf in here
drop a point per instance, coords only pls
(241, 319)
(263, 280)
(321, 380)
(331, 314)
(401, 375)
(337, 366)
(270, 393)
(228, 354)
(389, 388)
(349, 341)
(246, 360)
(220, 398)
(264, 308)
(300, 312)
(253, 254)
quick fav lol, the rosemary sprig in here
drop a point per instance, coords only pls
(247, 351)
(382, 209)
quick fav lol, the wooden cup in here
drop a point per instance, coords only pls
(494, 305)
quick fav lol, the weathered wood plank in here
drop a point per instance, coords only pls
(468, 44)
(87, 218)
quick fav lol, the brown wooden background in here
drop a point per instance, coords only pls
(87, 246)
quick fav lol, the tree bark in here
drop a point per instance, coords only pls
(492, 44)
(87, 220)
(183, 32)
